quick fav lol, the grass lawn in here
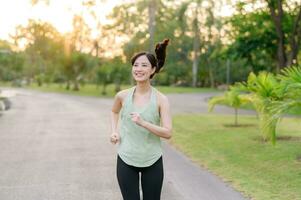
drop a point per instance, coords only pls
(239, 156)
(86, 90)
(92, 90)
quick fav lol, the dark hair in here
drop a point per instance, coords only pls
(156, 61)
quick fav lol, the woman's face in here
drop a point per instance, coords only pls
(142, 69)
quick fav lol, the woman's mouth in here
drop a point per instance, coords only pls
(139, 74)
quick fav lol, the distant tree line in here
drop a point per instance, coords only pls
(206, 49)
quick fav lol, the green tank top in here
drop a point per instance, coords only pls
(138, 146)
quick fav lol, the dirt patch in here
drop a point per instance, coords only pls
(289, 138)
(279, 138)
(239, 125)
(299, 158)
(259, 139)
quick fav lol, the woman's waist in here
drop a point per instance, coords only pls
(140, 141)
(141, 149)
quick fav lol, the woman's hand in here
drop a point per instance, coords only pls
(114, 138)
(136, 118)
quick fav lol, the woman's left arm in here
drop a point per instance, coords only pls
(165, 130)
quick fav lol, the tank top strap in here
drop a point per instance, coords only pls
(129, 96)
(153, 95)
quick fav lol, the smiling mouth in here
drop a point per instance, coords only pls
(139, 74)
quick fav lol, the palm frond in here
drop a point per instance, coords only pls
(290, 79)
(216, 100)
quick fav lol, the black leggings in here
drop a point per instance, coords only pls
(151, 180)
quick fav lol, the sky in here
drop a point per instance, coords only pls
(59, 13)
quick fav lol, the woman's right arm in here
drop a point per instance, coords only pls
(114, 118)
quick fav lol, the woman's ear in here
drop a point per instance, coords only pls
(153, 70)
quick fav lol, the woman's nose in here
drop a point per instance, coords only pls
(139, 67)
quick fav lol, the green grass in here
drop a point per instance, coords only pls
(172, 89)
(239, 156)
(92, 90)
(86, 90)
(5, 84)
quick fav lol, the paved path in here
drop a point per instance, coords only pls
(55, 147)
(197, 103)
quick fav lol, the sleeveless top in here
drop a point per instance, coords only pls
(138, 146)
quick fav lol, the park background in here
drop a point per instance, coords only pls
(250, 49)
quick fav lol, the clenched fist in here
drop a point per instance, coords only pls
(136, 118)
(114, 138)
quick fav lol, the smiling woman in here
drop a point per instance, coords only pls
(145, 119)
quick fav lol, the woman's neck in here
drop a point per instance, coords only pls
(143, 87)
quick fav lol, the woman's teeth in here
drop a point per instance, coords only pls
(139, 74)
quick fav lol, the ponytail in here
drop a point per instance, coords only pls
(161, 54)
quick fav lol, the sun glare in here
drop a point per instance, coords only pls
(58, 13)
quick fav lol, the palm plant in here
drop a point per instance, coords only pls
(290, 79)
(272, 97)
(264, 91)
(231, 98)
(290, 87)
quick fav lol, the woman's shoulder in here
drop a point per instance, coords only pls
(122, 94)
(161, 97)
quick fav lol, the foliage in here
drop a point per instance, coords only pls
(290, 88)
(205, 48)
(11, 63)
(263, 91)
(271, 96)
(256, 45)
(231, 98)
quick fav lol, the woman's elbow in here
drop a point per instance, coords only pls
(168, 134)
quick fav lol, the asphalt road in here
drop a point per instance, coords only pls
(56, 147)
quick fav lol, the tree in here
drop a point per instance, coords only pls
(43, 47)
(285, 16)
(256, 46)
(76, 62)
(199, 20)
(286, 58)
(263, 91)
(231, 98)
(152, 8)
(290, 88)
(11, 63)
(195, 6)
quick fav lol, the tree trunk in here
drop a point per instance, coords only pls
(104, 92)
(96, 46)
(117, 85)
(228, 72)
(295, 40)
(276, 11)
(68, 85)
(76, 85)
(196, 49)
(151, 23)
(236, 115)
(211, 75)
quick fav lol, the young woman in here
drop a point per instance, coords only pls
(144, 119)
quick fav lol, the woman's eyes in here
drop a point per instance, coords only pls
(143, 65)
